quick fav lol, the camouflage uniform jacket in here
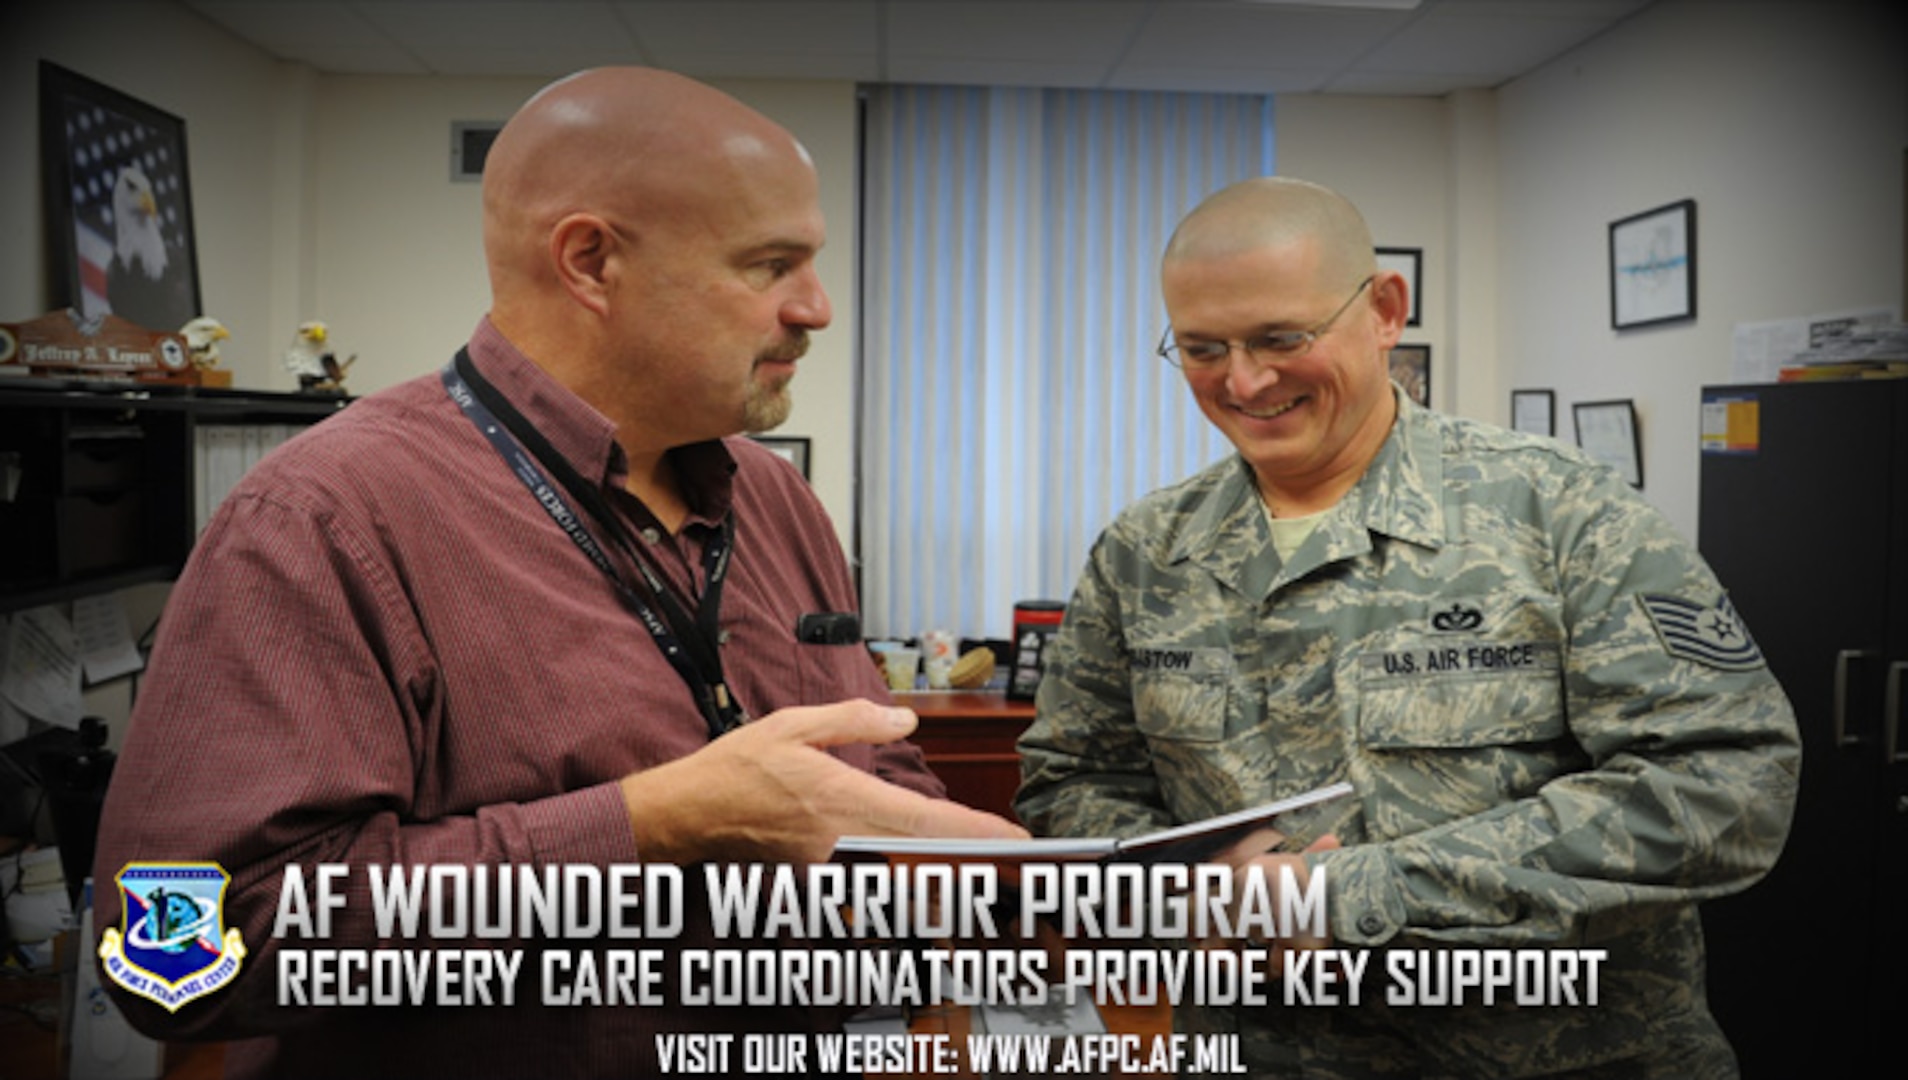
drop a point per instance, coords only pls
(1558, 732)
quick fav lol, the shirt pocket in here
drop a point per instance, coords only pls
(831, 673)
(1182, 694)
(1450, 728)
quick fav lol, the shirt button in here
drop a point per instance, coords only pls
(1371, 924)
(652, 536)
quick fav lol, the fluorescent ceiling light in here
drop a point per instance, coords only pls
(1382, 5)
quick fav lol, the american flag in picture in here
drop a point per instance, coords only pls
(131, 219)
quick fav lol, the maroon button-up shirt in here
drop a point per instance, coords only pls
(383, 651)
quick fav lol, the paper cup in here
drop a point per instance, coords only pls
(902, 665)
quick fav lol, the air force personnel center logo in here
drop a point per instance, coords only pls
(176, 946)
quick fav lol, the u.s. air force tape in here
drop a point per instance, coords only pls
(1712, 635)
(1441, 659)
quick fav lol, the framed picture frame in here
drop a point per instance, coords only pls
(792, 449)
(1411, 369)
(1653, 266)
(1608, 432)
(1534, 411)
(1410, 263)
(118, 200)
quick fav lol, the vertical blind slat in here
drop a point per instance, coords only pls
(1011, 305)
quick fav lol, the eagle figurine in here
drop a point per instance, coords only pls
(317, 368)
(203, 335)
(145, 284)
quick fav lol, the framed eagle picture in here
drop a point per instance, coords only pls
(118, 204)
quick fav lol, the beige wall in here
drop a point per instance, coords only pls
(396, 265)
(1784, 121)
(1392, 157)
(164, 55)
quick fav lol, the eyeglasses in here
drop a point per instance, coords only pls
(1264, 349)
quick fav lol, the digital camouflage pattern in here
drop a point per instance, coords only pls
(1558, 731)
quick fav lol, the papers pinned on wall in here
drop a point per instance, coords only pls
(40, 672)
(1761, 350)
(48, 657)
(106, 646)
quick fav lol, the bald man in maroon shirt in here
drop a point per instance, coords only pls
(537, 609)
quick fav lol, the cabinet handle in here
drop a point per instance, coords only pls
(1891, 715)
(1842, 660)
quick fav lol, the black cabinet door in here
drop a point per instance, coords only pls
(1800, 524)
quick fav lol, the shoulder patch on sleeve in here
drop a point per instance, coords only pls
(1712, 635)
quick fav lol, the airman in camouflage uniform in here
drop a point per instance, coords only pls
(1558, 731)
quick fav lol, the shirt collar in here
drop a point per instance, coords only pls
(1398, 496)
(586, 438)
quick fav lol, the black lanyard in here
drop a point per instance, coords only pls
(690, 645)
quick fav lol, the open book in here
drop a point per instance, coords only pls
(1295, 818)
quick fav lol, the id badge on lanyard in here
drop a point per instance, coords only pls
(690, 645)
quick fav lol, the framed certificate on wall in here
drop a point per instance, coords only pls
(1534, 411)
(1607, 431)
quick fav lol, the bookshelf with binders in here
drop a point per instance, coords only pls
(106, 484)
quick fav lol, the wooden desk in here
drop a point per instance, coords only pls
(968, 738)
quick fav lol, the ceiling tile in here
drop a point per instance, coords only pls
(1601, 11)
(1037, 32)
(843, 30)
(955, 72)
(1363, 80)
(1250, 36)
(1436, 47)
(328, 36)
(1264, 80)
(1498, 48)
(764, 65)
(505, 38)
